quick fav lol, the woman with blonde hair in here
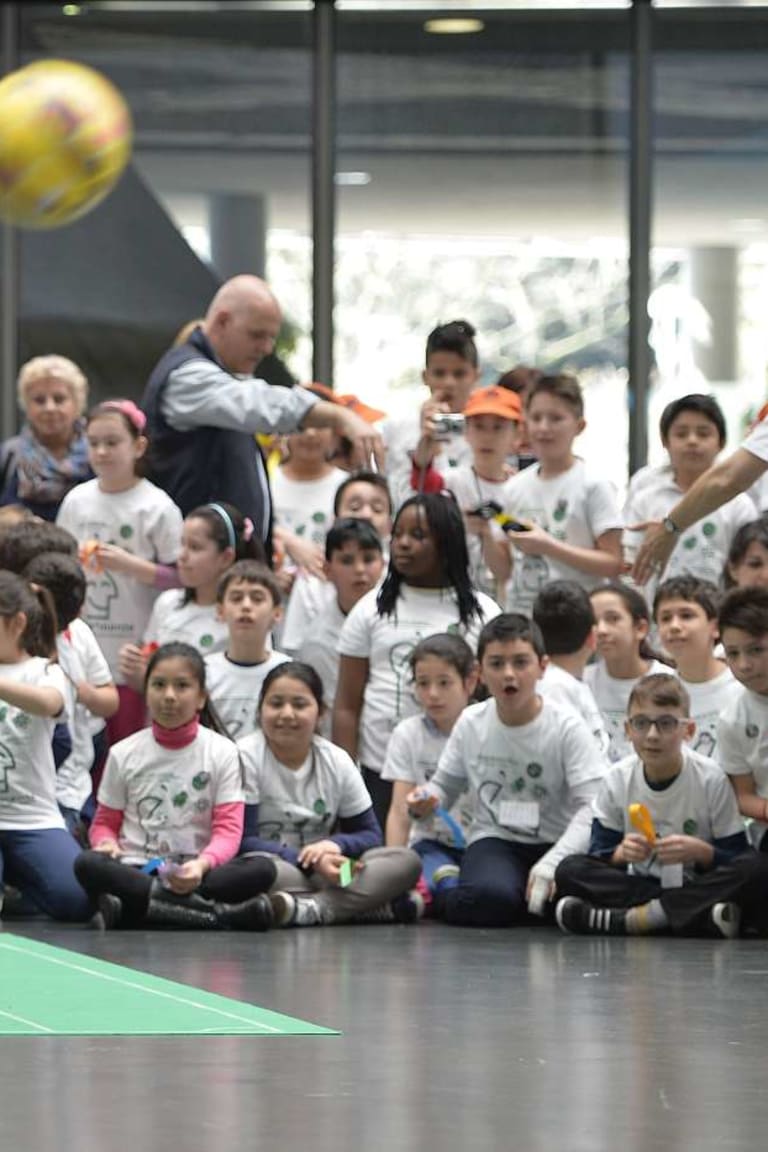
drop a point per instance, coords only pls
(50, 455)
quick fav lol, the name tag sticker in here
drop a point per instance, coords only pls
(671, 875)
(520, 814)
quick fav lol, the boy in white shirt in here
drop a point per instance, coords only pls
(492, 418)
(563, 611)
(742, 731)
(668, 850)
(572, 518)
(685, 614)
(531, 769)
(693, 432)
(354, 563)
(248, 602)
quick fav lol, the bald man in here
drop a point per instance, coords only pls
(204, 405)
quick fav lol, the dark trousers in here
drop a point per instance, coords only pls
(230, 883)
(492, 883)
(40, 863)
(742, 881)
(380, 792)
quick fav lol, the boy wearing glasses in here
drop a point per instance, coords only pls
(668, 851)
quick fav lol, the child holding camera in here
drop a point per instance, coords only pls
(492, 429)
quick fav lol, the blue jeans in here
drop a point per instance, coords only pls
(40, 863)
(492, 883)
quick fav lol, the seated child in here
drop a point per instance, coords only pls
(91, 693)
(354, 564)
(248, 598)
(685, 612)
(624, 656)
(693, 432)
(690, 869)
(362, 496)
(311, 816)
(565, 617)
(531, 769)
(573, 515)
(742, 732)
(444, 674)
(491, 420)
(167, 830)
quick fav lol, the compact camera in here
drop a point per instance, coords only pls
(447, 424)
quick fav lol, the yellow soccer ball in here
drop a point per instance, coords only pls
(65, 138)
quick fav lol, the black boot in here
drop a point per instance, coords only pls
(194, 911)
(109, 912)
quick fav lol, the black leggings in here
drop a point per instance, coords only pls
(230, 883)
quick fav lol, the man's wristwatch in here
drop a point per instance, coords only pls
(670, 526)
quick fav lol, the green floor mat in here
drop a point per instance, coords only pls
(46, 991)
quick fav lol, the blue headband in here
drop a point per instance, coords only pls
(228, 524)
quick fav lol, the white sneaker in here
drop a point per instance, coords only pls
(297, 911)
(726, 919)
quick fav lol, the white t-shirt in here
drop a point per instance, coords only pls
(413, 753)
(470, 491)
(191, 623)
(234, 690)
(386, 642)
(702, 549)
(575, 507)
(400, 440)
(612, 697)
(708, 701)
(310, 597)
(537, 764)
(305, 507)
(144, 521)
(167, 795)
(27, 771)
(319, 649)
(568, 691)
(757, 441)
(742, 745)
(80, 658)
(297, 807)
(699, 802)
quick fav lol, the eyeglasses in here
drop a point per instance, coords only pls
(665, 725)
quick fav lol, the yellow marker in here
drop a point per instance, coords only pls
(642, 821)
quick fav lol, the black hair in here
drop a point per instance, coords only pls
(228, 528)
(295, 670)
(562, 387)
(662, 689)
(448, 647)
(511, 626)
(690, 588)
(64, 578)
(351, 530)
(745, 609)
(457, 336)
(565, 616)
(755, 532)
(250, 572)
(23, 541)
(36, 602)
(703, 405)
(637, 607)
(177, 650)
(362, 477)
(447, 529)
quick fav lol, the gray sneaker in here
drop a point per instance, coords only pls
(297, 911)
(725, 920)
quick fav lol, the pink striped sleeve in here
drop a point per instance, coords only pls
(106, 824)
(226, 833)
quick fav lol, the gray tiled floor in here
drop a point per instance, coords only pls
(451, 1040)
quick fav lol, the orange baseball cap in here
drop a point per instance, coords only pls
(494, 401)
(371, 415)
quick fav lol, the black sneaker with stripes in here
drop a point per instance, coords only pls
(575, 915)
